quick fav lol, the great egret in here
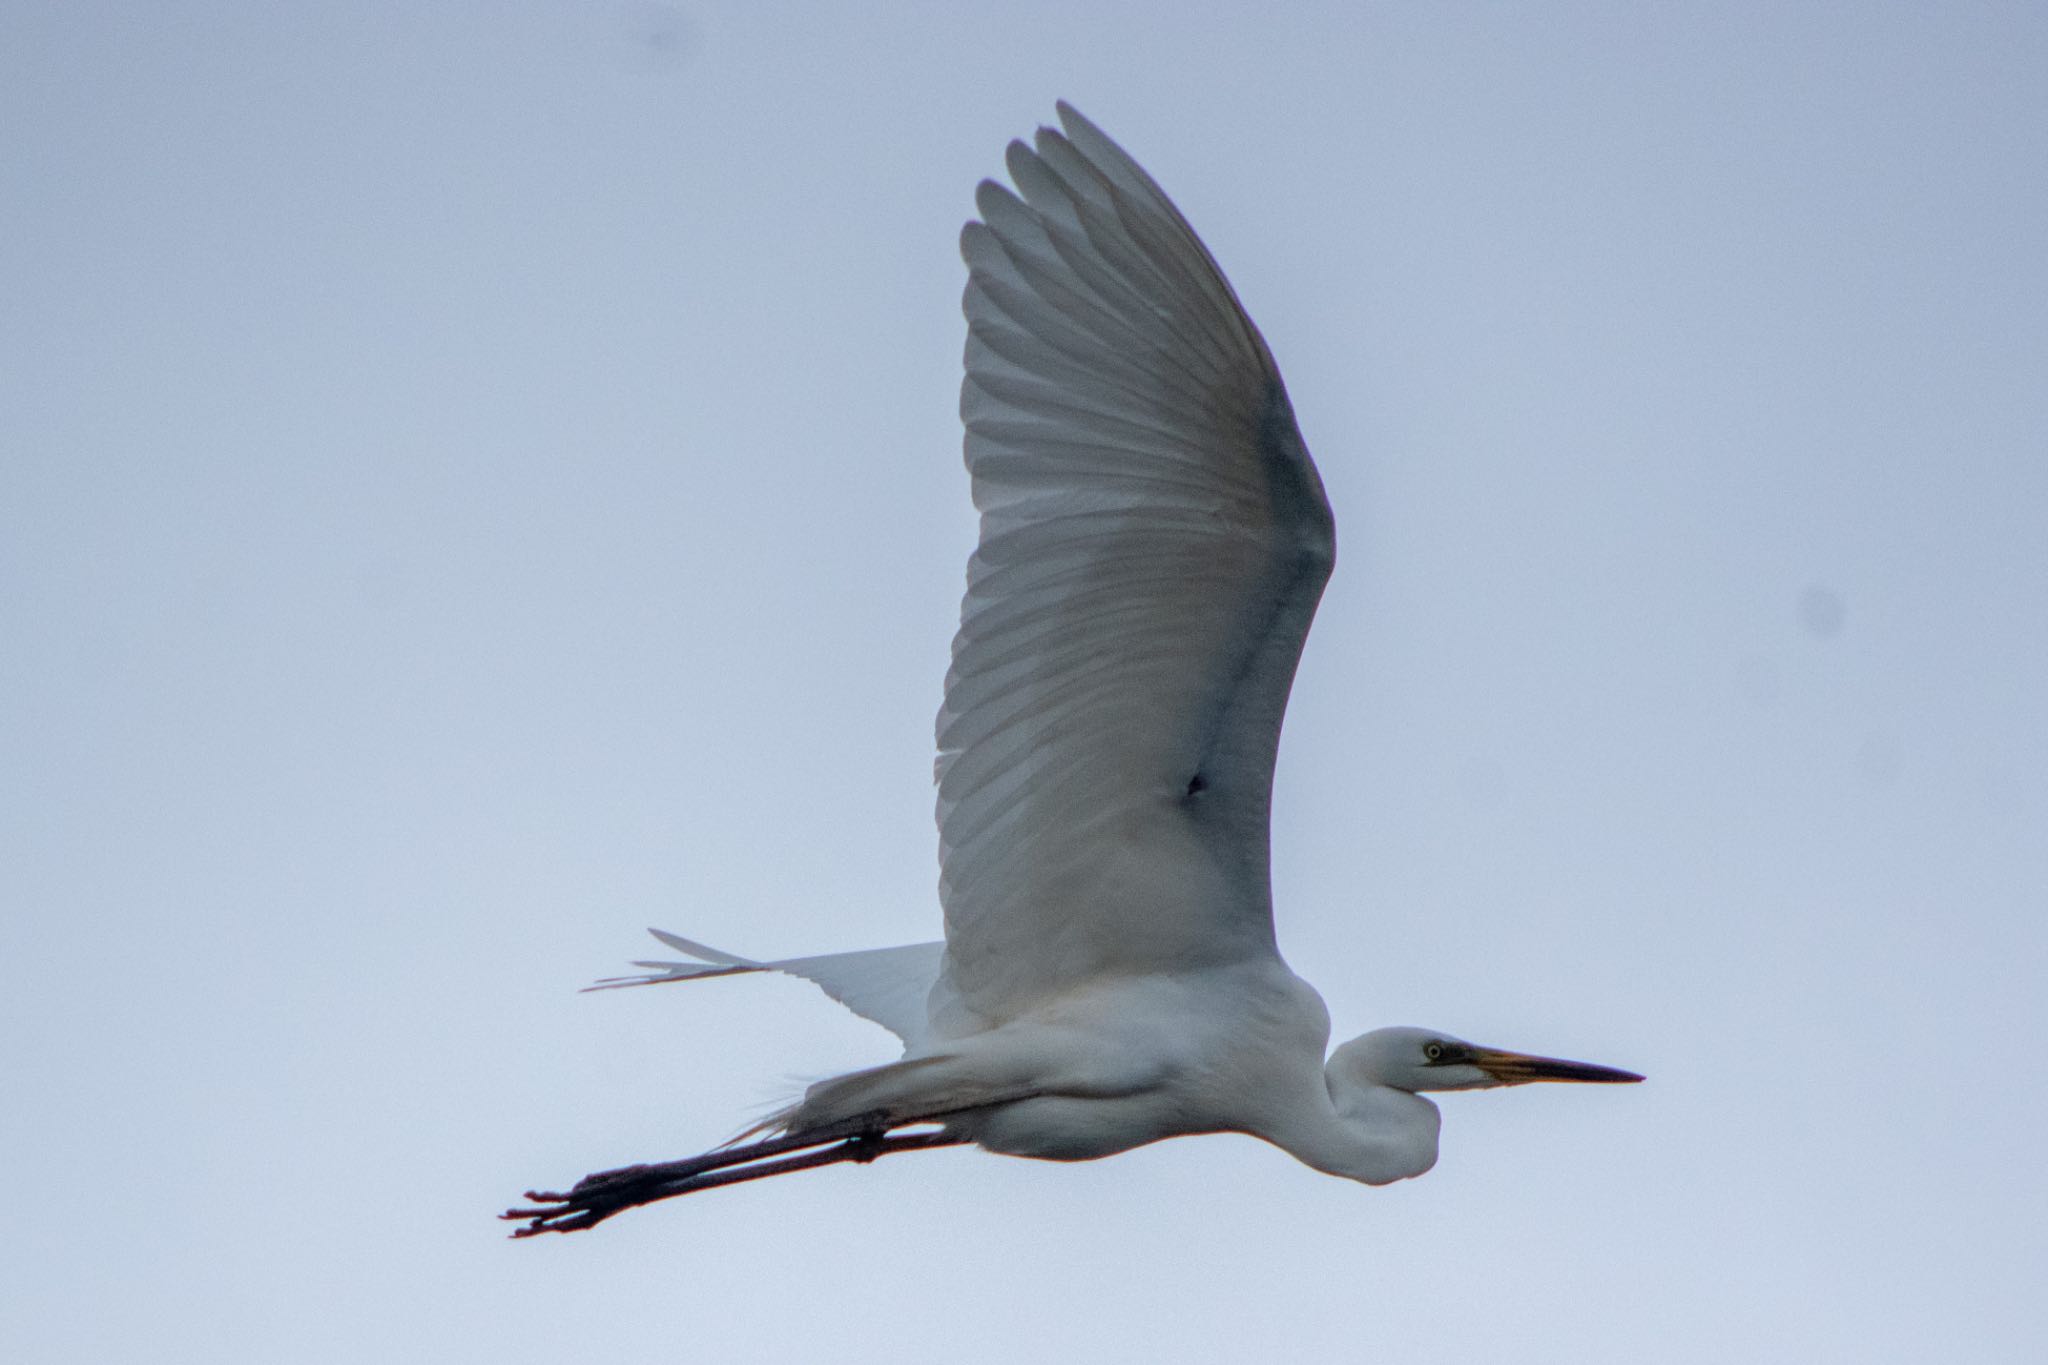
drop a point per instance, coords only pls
(1154, 539)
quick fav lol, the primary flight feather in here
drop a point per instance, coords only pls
(1154, 539)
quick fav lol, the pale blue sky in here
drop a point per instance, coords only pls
(480, 479)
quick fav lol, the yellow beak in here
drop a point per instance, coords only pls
(1519, 1068)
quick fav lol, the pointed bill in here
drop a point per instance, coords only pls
(1519, 1068)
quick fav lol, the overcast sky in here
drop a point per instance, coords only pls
(480, 479)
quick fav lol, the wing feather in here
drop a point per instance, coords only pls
(1154, 538)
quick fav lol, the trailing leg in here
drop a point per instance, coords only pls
(597, 1197)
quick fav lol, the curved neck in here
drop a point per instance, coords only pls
(1371, 1133)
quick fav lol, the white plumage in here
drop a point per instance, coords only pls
(890, 986)
(1154, 539)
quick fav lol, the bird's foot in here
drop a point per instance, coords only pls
(596, 1197)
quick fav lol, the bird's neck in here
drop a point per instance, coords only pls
(1371, 1133)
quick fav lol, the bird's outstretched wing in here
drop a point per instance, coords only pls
(1154, 539)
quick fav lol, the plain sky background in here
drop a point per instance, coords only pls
(479, 479)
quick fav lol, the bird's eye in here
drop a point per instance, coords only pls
(1433, 1051)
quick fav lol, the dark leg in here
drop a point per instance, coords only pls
(597, 1197)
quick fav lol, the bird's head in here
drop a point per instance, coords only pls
(1416, 1059)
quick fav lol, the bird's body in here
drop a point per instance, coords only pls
(1154, 541)
(1112, 1065)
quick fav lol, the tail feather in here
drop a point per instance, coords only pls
(890, 986)
(711, 962)
(704, 951)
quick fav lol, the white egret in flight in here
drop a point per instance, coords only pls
(1154, 539)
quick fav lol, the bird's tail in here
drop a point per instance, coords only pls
(710, 962)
